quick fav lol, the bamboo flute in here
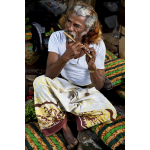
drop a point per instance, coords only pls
(84, 49)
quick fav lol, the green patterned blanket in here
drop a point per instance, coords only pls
(112, 134)
(35, 139)
(115, 71)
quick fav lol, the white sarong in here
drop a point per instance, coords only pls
(53, 98)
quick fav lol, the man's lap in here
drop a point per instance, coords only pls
(71, 97)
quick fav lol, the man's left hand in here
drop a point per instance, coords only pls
(91, 61)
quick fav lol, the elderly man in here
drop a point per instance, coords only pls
(77, 90)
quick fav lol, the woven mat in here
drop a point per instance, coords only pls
(113, 134)
(35, 139)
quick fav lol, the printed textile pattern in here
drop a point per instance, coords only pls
(35, 139)
(53, 98)
(109, 55)
(31, 57)
(112, 134)
(28, 34)
(120, 90)
(115, 71)
(92, 119)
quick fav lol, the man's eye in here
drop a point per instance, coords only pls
(68, 21)
(77, 26)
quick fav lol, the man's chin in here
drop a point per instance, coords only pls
(68, 32)
(75, 57)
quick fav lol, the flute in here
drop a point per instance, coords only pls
(84, 49)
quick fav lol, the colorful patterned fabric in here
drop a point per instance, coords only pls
(120, 90)
(35, 139)
(120, 109)
(53, 98)
(112, 134)
(115, 71)
(109, 55)
(50, 32)
(28, 34)
(30, 56)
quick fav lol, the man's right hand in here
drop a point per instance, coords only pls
(73, 50)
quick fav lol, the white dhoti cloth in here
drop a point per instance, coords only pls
(53, 98)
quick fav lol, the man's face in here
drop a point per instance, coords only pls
(75, 25)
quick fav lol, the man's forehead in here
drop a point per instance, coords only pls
(80, 20)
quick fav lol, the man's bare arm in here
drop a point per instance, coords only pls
(54, 65)
(98, 78)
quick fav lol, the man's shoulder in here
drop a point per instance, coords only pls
(58, 36)
(101, 44)
(58, 33)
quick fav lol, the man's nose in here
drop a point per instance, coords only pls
(71, 28)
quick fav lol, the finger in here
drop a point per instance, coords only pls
(79, 47)
(91, 49)
(87, 58)
(92, 52)
(94, 55)
(90, 62)
(76, 44)
(71, 43)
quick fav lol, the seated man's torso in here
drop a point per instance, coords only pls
(76, 70)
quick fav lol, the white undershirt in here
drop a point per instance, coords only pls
(77, 74)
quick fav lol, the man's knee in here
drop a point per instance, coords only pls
(39, 81)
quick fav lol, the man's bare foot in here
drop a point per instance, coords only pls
(70, 139)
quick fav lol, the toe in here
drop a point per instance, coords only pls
(70, 146)
(76, 142)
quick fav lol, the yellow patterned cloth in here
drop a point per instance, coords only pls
(53, 98)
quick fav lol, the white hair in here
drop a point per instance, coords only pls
(85, 12)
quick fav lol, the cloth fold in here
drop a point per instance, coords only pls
(53, 98)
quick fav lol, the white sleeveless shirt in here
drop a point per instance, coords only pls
(77, 74)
